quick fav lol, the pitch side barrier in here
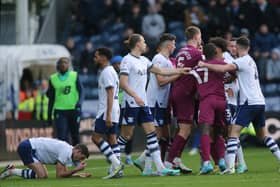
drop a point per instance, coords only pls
(12, 132)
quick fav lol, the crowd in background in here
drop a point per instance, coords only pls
(95, 23)
(108, 23)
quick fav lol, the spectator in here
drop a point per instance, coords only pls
(264, 42)
(235, 15)
(26, 96)
(42, 101)
(134, 21)
(273, 66)
(173, 10)
(75, 53)
(246, 15)
(266, 13)
(153, 26)
(86, 57)
(195, 16)
(26, 106)
(218, 21)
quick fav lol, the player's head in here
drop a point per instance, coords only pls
(80, 152)
(242, 44)
(231, 47)
(102, 55)
(167, 42)
(116, 62)
(136, 42)
(62, 65)
(210, 51)
(221, 45)
(193, 34)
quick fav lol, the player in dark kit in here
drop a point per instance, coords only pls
(212, 105)
(182, 96)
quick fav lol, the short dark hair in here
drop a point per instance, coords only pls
(132, 40)
(60, 60)
(209, 50)
(83, 148)
(104, 51)
(243, 41)
(191, 31)
(219, 42)
(167, 37)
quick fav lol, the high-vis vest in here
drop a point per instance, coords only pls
(41, 106)
(66, 92)
(27, 105)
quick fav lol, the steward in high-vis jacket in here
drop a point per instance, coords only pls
(65, 100)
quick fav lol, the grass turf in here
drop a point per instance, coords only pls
(263, 172)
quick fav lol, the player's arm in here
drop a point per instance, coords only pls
(169, 71)
(163, 80)
(124, 85)
(218, 67)
(80, 91)
(63, 172)
(110, 98)
(51, 96)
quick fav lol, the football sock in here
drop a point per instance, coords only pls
(272, 145)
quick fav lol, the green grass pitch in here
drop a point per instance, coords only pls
(263, 172)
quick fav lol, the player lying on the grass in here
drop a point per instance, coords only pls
(35, 152)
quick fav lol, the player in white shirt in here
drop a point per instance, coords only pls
(35, 152)
(251, 106)
(107, 118)
(133, 79)
(158, 90)
(232, 90)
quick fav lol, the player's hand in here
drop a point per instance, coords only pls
(229, 78)
(82, 175)
(139, 101)
(228, 116)
(81, 166)
(108, 121)
(201, 64)
(184, 70)
(78, 109)
(230, 92)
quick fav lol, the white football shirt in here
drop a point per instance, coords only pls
(233, 85)
(51, 151)
(248, 79)
(108, 78)
(136, 68)
(155, 93)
